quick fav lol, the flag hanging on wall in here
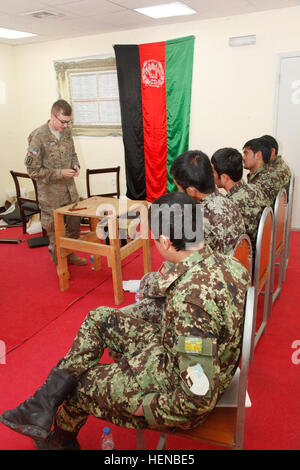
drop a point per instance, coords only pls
(155, 82)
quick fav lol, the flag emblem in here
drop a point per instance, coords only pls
(153, 73)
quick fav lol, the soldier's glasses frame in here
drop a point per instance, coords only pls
(64, 123)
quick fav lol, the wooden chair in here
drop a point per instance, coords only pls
(225, 424)
(262, 271)
(288, 224)
(243, 252)
(26, 205)
(114, 170)
(278, 245)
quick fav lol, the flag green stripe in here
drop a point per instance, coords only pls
(179, 71)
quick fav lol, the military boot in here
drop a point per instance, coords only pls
(58, 439)
(34, 417)
(75, 259)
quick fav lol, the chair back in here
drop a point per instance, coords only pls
(262, 271)
(278, 245)
(25, 204)
(279, 222)
(243, 252)
(263, 248)
(114, 192)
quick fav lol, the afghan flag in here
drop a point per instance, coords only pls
(155, 82)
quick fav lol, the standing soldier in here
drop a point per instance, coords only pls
(52, 161)
(172, 372)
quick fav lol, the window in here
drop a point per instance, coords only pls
(91, 87)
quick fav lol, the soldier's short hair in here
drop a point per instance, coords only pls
(193, 168)
(229, 161)
(179, 217)
(262, 145)
(61, 106)
(272, 141)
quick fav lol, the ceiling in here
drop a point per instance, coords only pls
(75, 18)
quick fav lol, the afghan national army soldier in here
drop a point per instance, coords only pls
(223, 224)
(277, 165)
(174, 366)
(227, 166)
(52, 162)
(256, 156)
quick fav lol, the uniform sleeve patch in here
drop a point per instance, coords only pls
(193, 345)
(196, 380)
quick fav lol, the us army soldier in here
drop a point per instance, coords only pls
(51, 160)
(172, 372)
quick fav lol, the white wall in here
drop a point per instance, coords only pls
(233, 93)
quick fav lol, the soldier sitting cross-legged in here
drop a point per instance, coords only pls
(178, 354)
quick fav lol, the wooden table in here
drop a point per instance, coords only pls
(95, 209)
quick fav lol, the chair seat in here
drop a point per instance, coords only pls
(230, 396)
(29, 206)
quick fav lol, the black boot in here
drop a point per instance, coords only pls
(34, 417)
(58, 439)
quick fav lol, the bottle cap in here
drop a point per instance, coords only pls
(106, 430)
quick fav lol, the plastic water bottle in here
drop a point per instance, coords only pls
(137, 295)
(107, 442)
(92, 261)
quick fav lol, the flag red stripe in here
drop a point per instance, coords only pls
(154, 105)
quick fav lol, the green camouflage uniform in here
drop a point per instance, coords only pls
(223, 224)
(46, 157)
(278, 167)
(250, 203)
(176, 363)
(269, 183)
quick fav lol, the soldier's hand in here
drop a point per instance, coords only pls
(77, 170)
(68, 173)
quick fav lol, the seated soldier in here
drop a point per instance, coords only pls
(277, 165)
(223, 224)
(227, 166)
(256, 156)
(172, 373)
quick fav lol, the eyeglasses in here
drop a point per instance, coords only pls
(64, 123)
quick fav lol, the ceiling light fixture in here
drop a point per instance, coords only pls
(13, 34)
(166, 10)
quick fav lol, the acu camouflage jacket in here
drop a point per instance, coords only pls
(46, 157)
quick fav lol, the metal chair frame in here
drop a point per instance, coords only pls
(262, 271)
(278, 245)
(288, 224)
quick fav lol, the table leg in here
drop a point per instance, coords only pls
(97, 258)
(115, 259)
(62, 261)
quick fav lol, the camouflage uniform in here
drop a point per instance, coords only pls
(176, 368)
(46, 157)
(269, 183)
(250, 203)
(278, 167)
(223, 224)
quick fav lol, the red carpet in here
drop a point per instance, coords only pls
(38, 324)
